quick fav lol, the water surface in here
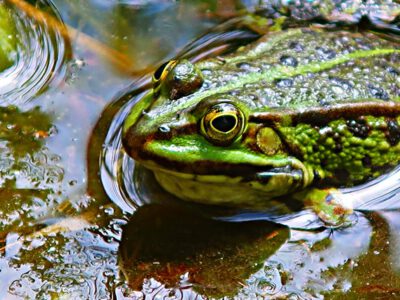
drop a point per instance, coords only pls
(78, 219)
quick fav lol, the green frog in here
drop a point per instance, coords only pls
(297, 114)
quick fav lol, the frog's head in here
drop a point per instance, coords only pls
(193, 127)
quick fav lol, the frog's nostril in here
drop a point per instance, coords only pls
(164, 129)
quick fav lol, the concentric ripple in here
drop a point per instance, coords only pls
(41, 51)
(117, 169)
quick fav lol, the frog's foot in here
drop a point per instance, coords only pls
(331, 206)
(335, 208)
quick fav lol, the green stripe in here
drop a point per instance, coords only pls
(278, 72)
(195, 148)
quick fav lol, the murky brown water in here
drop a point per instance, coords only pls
(74, 228)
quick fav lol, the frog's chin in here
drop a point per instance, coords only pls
(228, 191)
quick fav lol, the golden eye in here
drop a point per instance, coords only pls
(176, 79)
(163, 71)
(222, 124)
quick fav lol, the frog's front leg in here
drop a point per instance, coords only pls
(331, 206)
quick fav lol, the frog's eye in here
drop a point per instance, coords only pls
(163, 70)
(222, 124)
(177, 79)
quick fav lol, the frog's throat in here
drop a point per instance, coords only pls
(232, 191)
(268, 184)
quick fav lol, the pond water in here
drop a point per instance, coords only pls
(78, 219)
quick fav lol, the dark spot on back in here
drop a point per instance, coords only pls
(323, 99)
(235, 93)
(252, 97)
(395, 58)
(324, 102)
(338, 147)
(289, 61)
(382, 169)
(287, 82)
(341, 82)
(244, 66)
(378, 92)
(325, 54)
(358, 128)
(296, 46)
(310, 75)
(341, 41)
(363, 44)
(324, 163)
(396, 90)
(393, 132)
(367, 162)
(392, 71)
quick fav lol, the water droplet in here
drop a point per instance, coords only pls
(109, 211)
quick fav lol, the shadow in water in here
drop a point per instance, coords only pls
(171, 250)
(181, 248)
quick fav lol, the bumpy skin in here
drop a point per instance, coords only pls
(346, 152)
(349, 11)
(321, 109)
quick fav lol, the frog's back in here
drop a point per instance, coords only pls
(332, 97)
(382, 12)
(299, 108)
(302, 68)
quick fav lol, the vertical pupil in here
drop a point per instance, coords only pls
(224, 123)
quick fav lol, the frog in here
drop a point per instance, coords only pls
(299, 114)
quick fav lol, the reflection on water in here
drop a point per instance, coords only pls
(382, 193)
(74, 265)
(41, 52)
(179, 247)
(167, 250)
(30, 175)
(156, 261)
(180, 250)
(30, 179)
(145, 243)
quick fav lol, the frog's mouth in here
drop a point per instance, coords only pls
(245, 190)
(192, 169)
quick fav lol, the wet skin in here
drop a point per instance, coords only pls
(299, 113)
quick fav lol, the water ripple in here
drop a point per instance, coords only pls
(40, 55)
